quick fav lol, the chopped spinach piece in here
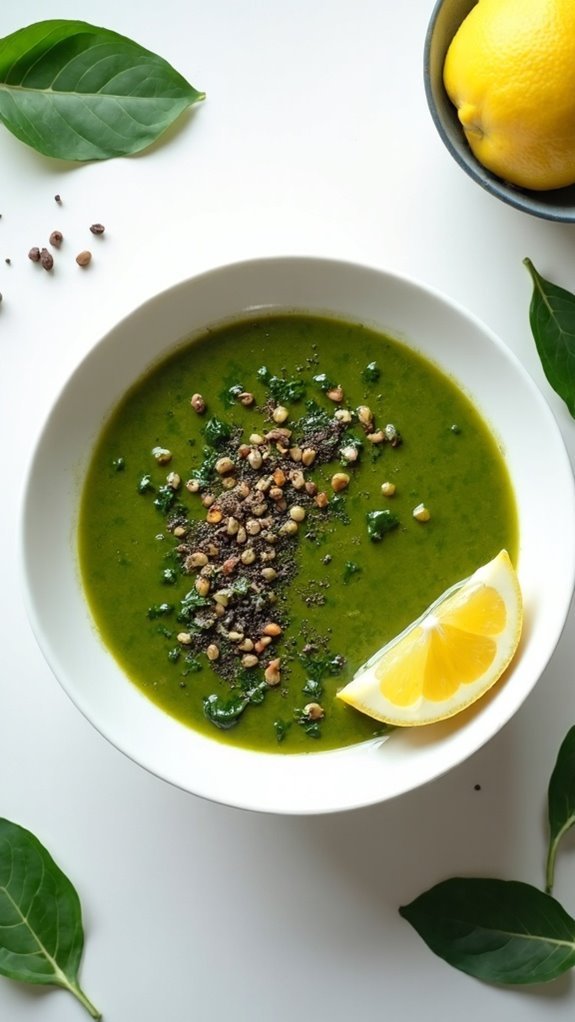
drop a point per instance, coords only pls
(313, 687)
(281, 728)
(280, 388)
(240, 586)
(315, 419)
(118, 464)
(351, 569)
(287, 391)
(189, 603)
(323, 381)
(337, 507)
(145, 485)
(193, 665)
(371, 373)
(380, 522)
(165, 499)
(169, 576)
(320, 664)
(257, 695)
(264, 374)
(224, 713)
(159, 610)
(312, 728)
(174, 655)
(231, 395)
(217, 432)
(206, 471)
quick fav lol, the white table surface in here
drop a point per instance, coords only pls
(315, 138)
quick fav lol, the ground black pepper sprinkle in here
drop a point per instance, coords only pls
(58, 199)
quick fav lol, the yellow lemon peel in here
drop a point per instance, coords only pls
(510, 71)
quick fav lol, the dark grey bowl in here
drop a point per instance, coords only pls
(447, 16)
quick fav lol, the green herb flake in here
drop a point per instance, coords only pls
(159, 610)
(371, 373)
(286, 391)
(337, 507)
(189, 604)
(224, 713)
(281, 728)
(165, 499)
(145, 484)
(313, 687)
(174, 654)
(169, 576)
(118, 464)
(323, 382)
(207, 470)
(217, 432)
(379, 523)
(193, 665)
(350, 570)
(231, 395)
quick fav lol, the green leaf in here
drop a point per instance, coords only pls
(41, 935)
(552, 319)
(379, 523)
(77, 92)
(501, 931)
(561, 802)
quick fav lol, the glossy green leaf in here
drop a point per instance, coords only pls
(78, 92)
(41, 934)
(501, 931)
(552, 319)
(561, 802)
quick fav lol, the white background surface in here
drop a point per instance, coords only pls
(315, 138)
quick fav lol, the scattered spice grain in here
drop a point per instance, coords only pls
(46, 259)
(56, 238)
(84, 258)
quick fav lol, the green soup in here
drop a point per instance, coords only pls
(241, 580)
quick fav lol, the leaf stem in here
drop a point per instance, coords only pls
(552, 854)
(85, 1001)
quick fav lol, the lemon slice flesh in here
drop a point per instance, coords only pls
(447, 658)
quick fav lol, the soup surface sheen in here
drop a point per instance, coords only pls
(339, 592)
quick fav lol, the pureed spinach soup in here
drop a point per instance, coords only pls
(268, 507)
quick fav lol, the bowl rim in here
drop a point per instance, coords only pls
(458, 749)
(525, 200)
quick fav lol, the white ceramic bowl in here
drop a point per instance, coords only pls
(324, 781)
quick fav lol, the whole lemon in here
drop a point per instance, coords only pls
(510, 71)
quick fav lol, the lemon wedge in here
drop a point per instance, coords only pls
(449, 657)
